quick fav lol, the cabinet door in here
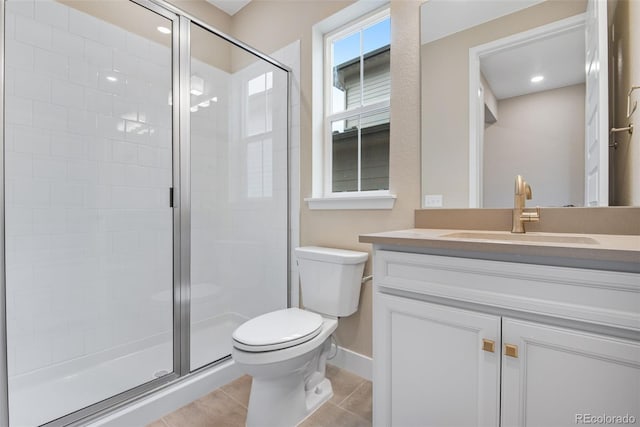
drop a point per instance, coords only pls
(429, 365)
(560, 375)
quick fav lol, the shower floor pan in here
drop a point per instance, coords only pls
(49, 393)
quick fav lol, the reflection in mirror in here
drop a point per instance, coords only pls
(484, 120)
(531, 113)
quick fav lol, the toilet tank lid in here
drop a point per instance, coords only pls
(333, 255)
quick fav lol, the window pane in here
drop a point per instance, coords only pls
(344, 175)
(346, 73)
(376, 51)
(375, 152)
(376, 36)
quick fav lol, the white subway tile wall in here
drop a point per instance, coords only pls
(88, 167)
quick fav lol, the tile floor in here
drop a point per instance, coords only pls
(350, 405)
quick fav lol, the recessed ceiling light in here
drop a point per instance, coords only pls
(537, 79)
(164, 30)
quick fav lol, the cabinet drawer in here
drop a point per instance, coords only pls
(600, 297)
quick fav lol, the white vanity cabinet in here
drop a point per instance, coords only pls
(428, 367)
(560, 374)
(469, 342)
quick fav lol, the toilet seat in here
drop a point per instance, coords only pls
(277, 330)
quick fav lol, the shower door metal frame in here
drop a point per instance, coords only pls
(182, 301)
(4, 376)
(181, 207)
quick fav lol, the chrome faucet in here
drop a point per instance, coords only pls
(520, 216)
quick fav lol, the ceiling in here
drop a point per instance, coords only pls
(560, 59)
(231, 7)
(440, 18)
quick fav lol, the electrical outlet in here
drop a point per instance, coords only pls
(433, 201)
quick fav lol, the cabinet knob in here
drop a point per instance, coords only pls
(488, 345)
(511, 350)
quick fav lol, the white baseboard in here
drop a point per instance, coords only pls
(155, 406)
(356, 363)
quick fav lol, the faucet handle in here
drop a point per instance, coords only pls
(529, 216)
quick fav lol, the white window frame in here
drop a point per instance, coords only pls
(327, 199)
(378, 107)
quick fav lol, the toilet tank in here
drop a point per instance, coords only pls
(330, 279)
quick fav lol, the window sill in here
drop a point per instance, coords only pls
(363, 202)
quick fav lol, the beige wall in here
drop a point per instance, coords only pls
(206, 12)
(539, 136)
(445, 93)
(268, 25)
(624, 51)
(204, 45)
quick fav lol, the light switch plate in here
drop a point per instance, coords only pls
(433, 201)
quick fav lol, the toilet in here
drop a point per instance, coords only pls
(285, 351)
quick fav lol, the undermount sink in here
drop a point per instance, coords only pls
(527, 237)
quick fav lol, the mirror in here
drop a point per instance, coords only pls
(504, 93)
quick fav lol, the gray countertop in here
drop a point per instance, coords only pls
(599, 251)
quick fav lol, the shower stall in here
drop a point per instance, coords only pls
(144, 205)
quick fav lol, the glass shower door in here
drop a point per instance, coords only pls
(89, 228)
(238, 175)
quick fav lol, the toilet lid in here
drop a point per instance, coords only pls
(277, 330)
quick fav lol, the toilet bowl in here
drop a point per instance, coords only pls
(282, 392)
(285, 351)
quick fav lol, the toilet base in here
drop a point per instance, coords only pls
(284, 402)
(316, 397)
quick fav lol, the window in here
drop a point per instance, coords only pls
(356, 97)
